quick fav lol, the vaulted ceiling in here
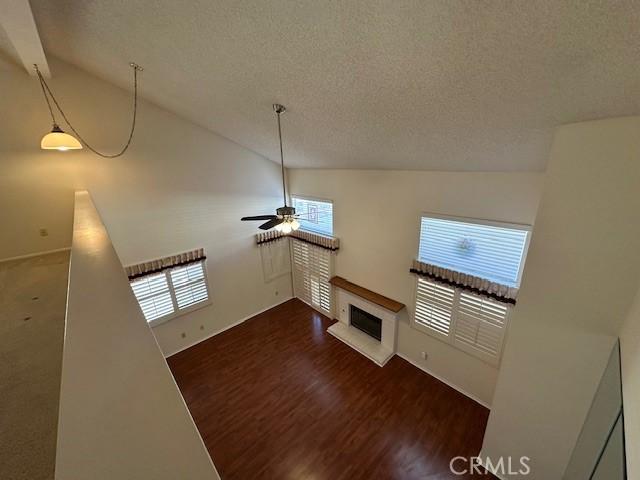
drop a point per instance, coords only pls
(437, 85)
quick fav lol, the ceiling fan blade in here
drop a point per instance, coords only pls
(259, 217)
(271, 223)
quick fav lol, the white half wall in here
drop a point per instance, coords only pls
(377, 217)
(121, 413)
(581, 276)
(178, 187)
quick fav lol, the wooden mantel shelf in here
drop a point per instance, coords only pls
(373, 297)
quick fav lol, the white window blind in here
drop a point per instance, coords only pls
(490, 251)
(312, 269)
(470, 322)
(315, 215)
(166, 294)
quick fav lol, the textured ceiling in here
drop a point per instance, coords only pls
(438, 85)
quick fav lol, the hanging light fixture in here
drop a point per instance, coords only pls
(58, 139)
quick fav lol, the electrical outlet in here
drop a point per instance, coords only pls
(44, 232)
(424, 355)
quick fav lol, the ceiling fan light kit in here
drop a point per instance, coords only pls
(285, 220)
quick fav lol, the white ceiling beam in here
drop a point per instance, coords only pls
(17, 20)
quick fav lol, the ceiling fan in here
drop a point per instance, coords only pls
(285, 219)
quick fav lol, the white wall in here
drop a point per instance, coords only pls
(121, 413)
(630, 356)
(602, 416)
(581, 275)
(377, 217)
(178, 187)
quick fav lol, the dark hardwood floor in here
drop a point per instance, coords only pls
(277, 397)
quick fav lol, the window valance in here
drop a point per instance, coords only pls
(153, 266)
(269, 236)
(481, 286)
(329, 243)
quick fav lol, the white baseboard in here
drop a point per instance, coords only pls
(443, 380)
(37, 254)
(228, 327)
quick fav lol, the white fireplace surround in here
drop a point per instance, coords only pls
(377, 351)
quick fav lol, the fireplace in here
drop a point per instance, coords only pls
(365, 322)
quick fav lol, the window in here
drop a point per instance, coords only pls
(312, 269)
(493, 251)
(167, 294)
(313, 264)
(471, 322)
(315, 215)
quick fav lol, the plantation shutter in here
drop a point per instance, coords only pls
(189, 284)
(473, 323)
(275, 258)
(434, 306)
(480, 325)
(153, 295)
(312, 269)
(163, 295)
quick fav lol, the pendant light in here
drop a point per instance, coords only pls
(58, 139)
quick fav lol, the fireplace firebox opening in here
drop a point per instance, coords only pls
(365, 322)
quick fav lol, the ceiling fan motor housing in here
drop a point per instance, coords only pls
(286, 211)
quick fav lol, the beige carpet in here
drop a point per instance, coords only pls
(32, 311)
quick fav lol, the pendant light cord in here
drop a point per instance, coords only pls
(284, 191)
(53, 117)
(46, 89)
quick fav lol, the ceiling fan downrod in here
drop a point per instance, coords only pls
(285, 219)
(286, 210)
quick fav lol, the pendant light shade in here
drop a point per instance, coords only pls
(58, 140)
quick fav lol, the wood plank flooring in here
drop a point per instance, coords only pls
(278, 398)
